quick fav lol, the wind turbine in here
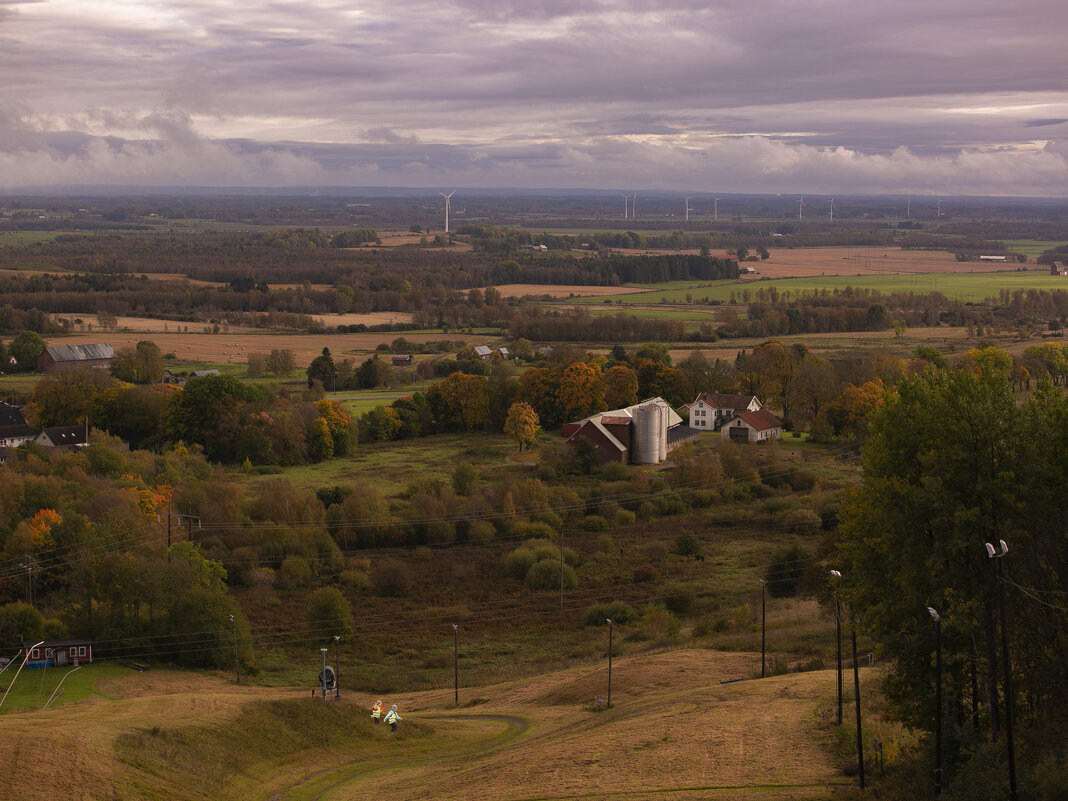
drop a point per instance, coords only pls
(688, 208)
(715, 209)
(939, 207)
(908, 208)
(800, 205)
(634, 206)
(448, 204)
(832, 208)
(626, 206)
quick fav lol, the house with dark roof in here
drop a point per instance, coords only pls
(57, 653)
(69, 357)
(758, 426)
(712, 410)
(69, 438)
(14, 430)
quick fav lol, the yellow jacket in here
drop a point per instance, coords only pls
(376, 711)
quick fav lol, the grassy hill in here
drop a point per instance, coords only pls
(674, 731)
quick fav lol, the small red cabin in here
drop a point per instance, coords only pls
(60, 653)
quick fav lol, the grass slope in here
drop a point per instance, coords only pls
(673, 731)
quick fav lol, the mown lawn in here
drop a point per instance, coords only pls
(35, 686)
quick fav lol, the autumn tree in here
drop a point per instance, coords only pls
(620, 387)
(142, 364)
(582, 390)
(522, 424)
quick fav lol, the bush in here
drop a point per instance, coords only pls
(294, 572)
(594, 523)
(656, 551)
(545, 575)
(658, 624)
(617, 612)
(518, 563)
(645, 573)
(686, 544)
(678, 598)
(328, 614)
(802, 521)
(623, 517)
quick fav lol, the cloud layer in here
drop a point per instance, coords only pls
(962, 96)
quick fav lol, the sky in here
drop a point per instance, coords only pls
(755, 96)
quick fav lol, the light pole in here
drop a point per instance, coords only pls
(608, 704)
(763, 622)
(938, 699)
(337, 667)
(838, 644)
(455, 665)
(998, 556)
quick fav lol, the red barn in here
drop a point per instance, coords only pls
(59, 653)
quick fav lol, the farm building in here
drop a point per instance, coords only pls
(640, 434)
(14, 430)
(1058, 268)
(758, 426)
(68, 357)
(711, 410)
(57, 653)
(401, 360)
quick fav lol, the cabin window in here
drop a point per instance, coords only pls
(36, 653)
(81, 650)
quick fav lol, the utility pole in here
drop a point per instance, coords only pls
(838, 644)
(561, 571)
(938, 699)
(337, 667)
(323, 677)
(237, 672)
(998, 558)
(608, 704)
(763, 623)
(455, 665)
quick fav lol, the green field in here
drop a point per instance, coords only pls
(26, 237)
(35, 686)
(960, 286)
(1032, 248)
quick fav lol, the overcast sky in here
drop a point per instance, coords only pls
(821, 96)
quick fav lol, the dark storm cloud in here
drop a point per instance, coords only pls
(770, 95)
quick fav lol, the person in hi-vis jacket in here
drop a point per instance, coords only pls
(392, 717)
(376, 712)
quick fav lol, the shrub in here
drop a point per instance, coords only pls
(480, 531)
(802, 521)
(678, 598)
(356, 579)
(594, 523)
(545, 575)
(623, 517)
(294, 572)
(658, 624)
(518, 563)
(328, 613)
(686, 544)
(645, 573)
(605, 543)
(617, 612)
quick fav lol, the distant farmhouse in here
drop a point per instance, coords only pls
(57, 653)
(712, 409)
(644, 433)
(68, 357)
(1058, 268)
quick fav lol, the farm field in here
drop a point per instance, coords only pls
(235, 346)
(963, 286)
(673, 730)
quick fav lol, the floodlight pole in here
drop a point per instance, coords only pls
(455, 665)
(608, 703)
(838, 644)
(763, 623)
(938, 699)
(337, 667)
(998, 558)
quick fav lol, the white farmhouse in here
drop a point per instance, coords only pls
(711, 410)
